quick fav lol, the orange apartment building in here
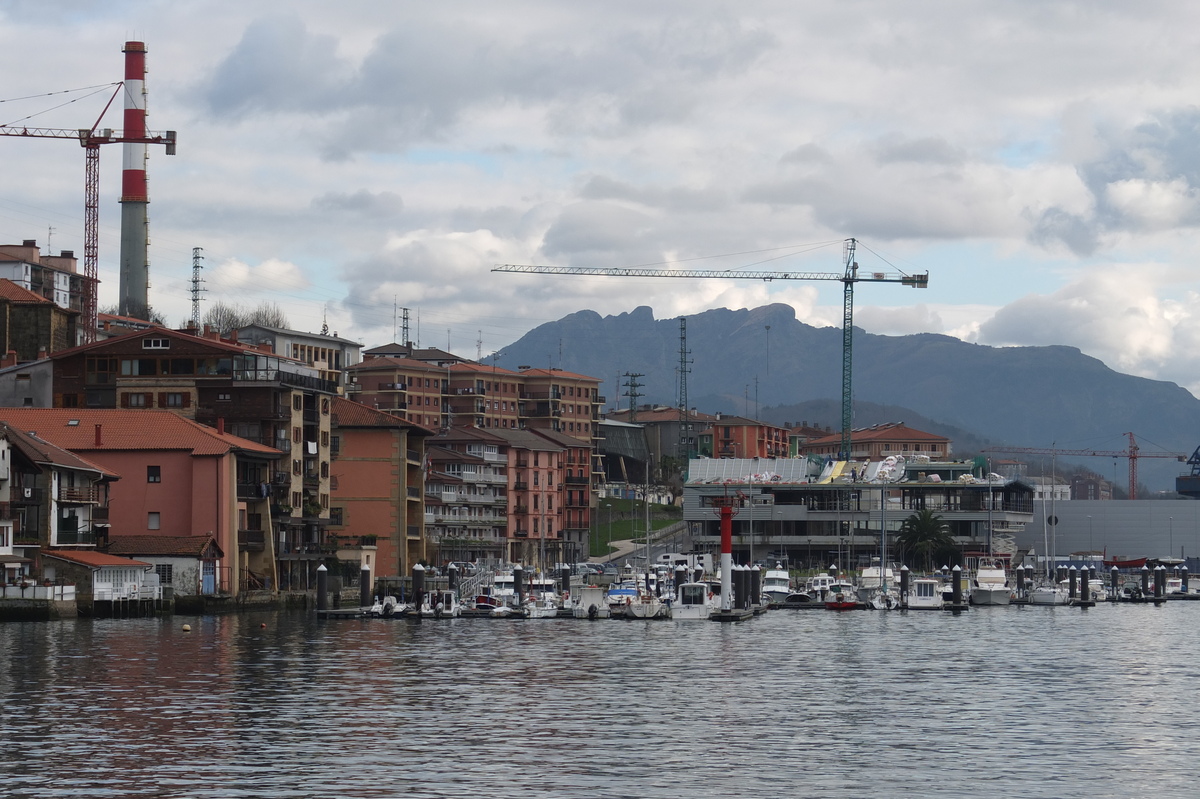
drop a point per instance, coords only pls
(739, 437)
(376, 512)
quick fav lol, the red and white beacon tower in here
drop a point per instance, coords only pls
(135, 250)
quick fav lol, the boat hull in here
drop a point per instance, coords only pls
(990, 595)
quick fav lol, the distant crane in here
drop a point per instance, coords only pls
(133, 183)
(848, 277)
(1132, 453)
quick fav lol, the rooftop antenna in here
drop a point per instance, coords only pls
(49, 239)
(197, 288)
(479, 346)
(324, 320)
(404, 326)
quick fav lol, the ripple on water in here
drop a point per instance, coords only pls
(1017, 701)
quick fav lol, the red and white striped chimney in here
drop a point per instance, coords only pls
(135, 266)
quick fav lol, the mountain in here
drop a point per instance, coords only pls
(755, 361)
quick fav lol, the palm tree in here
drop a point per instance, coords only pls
(924, 536)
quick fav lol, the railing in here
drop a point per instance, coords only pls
(59, 593)
(286, 378)
(252, 540)
(414, 492)
(253, 491)
(414, 531)
(77, 494)
(578, 480)
(520, 485)
(75, 538)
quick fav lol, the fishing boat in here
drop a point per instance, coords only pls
(692, 602)
(776, 584)
(925, 593)
(591, 603)
(841, 595)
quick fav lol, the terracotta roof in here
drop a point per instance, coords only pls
(88, 557)
(347, 413)
(158, 331)
(471, 366)
(19, 294)
(126, 429)
(162, 545)
(383, 363)
(524, 439)
(558, 373)
(41, 451)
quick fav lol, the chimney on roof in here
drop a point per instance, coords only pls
(233, 336)
(221, 425)
(29, 243)
(99, 436)
(41, 353)
(9, 359)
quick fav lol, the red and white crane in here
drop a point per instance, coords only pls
(134, 193)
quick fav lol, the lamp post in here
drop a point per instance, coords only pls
(608, 541)
(1171, 533)
(1089, 536)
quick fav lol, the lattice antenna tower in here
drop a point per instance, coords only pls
(685, 439)
(197, 284)
(632, 384)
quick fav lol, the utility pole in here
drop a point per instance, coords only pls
(633, 385)
(196, 281)
(684, 450)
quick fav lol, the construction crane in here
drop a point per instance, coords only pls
(1132, 453)
(848, 277)
(91, 139)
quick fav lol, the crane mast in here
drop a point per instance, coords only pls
(848, 277)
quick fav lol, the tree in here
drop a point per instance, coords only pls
(926, 536)
(225, 317)
(267, 314)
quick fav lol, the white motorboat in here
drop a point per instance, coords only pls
(776, 584)
(692, 601)
(591, 603)
(925, 593)
(990, 585)
(541, 607)
(441, 604)
(1050, 595)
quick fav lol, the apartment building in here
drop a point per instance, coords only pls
(377, 510)
(31, 325)
(329, 355)
(466, 496)
(54, 277)
(178, 478)
(879, 441)
(256, 394)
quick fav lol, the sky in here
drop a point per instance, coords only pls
(346, 161)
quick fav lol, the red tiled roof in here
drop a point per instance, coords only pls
(558, 373)
(126, 429)
(659, 415)
(347, 413)
(39, 451)
(14, 293)
(87, 557)
(161, 545)
(158, 331)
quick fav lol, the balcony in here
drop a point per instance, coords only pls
(578, 480)
(520, 509)
(78, 495)
(251, 541)
(252, 492)
(521, 533)
(75, 538)
(393, 386)
(521, 485)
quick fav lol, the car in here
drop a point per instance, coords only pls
(462, 566)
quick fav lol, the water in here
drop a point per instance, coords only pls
(1017, 702)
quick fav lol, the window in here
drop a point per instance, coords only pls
(297, 499)
(153, 474)
(295, 467)
(165, 572)
(297, 402)
(335, 517)
(324, 406)
(297, 435)
(153, 521)
(324, 438)
(223, 396)
(176, 399)
(156, 343)
(134, 400)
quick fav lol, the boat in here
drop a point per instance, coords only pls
(591, 603)
(841, 595)
(541, 607)
(442, 604)
(1135, 563)
(645, 606)
(925, 593)
(990, 585)
(874, 581)
(776, 584)
(621, 593)
(692, 602)
(1050, 594)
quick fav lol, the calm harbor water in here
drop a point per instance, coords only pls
(1016, 702)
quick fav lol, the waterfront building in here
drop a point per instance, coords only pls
(377, 512)
(804, 513)
(101, 579)
(256, 394)
(178, 478)
(466, 497)
(49, 498)
(186, 565)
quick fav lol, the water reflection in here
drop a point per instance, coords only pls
(1017, 701)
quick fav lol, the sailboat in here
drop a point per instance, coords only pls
(1049, 592)
(647, 604)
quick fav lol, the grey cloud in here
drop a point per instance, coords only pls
(806, 154)
(929, 150)
(1056, 225)
(367, 203)
(601, 187)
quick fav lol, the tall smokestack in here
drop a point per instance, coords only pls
(135, 265)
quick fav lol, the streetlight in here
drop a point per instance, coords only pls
(608, 542)
(1089, 537)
